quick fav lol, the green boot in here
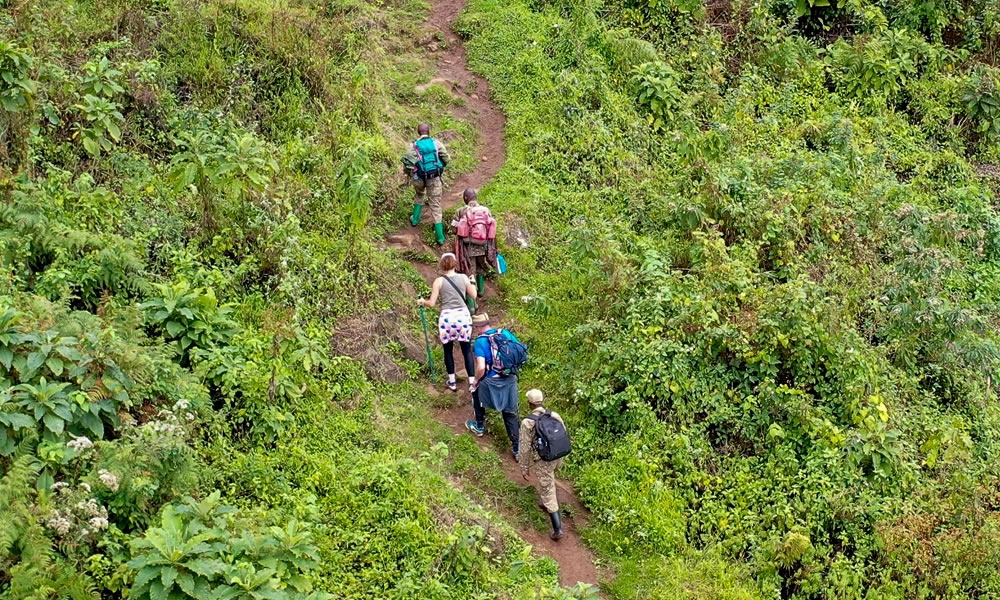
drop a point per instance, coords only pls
(439, 232)
(415, 219)
(480, 285)
(471, 303)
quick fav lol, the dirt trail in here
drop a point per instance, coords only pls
(576, 563)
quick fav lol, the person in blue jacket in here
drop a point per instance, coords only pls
(491, 389)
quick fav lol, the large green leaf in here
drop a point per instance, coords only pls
(54, 423)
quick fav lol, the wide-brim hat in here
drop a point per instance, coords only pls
(480, 319)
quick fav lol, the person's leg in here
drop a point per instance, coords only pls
(470, 361)
(477, 426)
(419, 196)
(449, 362)
(478, 410)
(481, 268)
(513, 425)
(435, 189)
(545, 473)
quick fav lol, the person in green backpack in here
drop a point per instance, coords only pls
(424, 165)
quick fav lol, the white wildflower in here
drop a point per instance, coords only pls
(59, 523)
(108, 479)
(85, 486)
(182, 404)
(80, 444)
(98, 523)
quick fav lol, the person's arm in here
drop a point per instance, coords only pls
(470, 289)
(443, 155)
(480, 368)
(435, 290)
(524, 457)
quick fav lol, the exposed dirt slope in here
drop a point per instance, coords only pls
(575, 559)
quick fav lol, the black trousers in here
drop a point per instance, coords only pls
(449, 358)
(511, 422)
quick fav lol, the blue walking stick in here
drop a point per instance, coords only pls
(427, 342)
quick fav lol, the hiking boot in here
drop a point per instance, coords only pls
(475, 429)
(415, 219)
(557, 531)
(452, 385)
(516, 455)
(439, 232)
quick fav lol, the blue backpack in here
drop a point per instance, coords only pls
(507, 356)
(428, 162)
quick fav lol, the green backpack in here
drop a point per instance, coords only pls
(428, 163)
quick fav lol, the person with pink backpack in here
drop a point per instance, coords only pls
(475, 240)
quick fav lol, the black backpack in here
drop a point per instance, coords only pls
(551, 437)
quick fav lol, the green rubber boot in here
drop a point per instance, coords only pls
(415, 219)
(439, 232)
(480, 285)
(471, 303)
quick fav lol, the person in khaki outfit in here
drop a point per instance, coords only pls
(424, 165)
(545, 471)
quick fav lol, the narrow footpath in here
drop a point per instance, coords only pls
(576, 562)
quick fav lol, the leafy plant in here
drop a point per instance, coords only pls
(17, 88)
(981, 101)
(190, 317)
(195, 554)
(658, 90)
(100, 127)
(208, 164)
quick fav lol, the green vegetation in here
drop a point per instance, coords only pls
(759, 231)
(753, 248)
(190, 198)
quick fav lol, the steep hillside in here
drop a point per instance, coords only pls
(753, 245)
(193, 194)
(763, 277)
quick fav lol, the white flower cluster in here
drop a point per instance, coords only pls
(91, 508)
(80, 444)
(76, 510)
(58, 522)
(168, 421)
(108, 479)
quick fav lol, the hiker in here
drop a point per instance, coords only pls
(547, 442)
(455, 322)
(499, 355)
(424, 165)
(475, 239)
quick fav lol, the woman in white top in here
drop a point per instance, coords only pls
(455, 322)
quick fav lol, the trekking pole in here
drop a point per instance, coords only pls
(427, 342)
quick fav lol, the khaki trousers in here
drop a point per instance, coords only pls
(429, 193)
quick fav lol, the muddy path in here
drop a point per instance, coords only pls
(576, 562)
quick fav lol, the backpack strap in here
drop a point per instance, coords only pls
(461, 293)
